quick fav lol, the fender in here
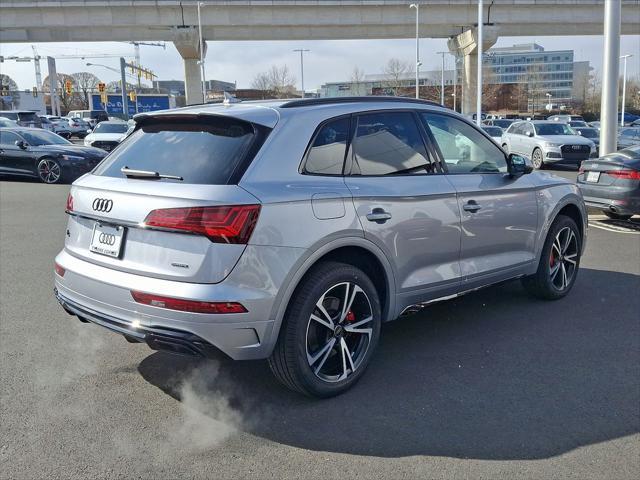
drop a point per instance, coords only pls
(308, 260)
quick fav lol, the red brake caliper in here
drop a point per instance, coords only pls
(552, 259)
(350, 316)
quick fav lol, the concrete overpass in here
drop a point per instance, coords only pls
(171, 20)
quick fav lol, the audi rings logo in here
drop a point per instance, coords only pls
(107, 239)
(102, 205)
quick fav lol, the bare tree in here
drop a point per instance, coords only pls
(357, 82)
(277, 82)
(68, 101)
(86, 82)
(114, 87)
(261, 82)
(397, 70)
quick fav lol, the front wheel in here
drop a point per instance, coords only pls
(329, 332)
(49, 171)
(559, 261)
(537, 159)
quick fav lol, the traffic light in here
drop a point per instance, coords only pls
(34, 91)
(132, 96)
(68, 87)
(101, 87)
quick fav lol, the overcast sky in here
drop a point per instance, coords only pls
(326, 62)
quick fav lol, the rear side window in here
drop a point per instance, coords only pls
(9, 115)
(199, 152)
(8, 138)
(326, 154)
(388, 143)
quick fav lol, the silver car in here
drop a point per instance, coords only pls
(547, 142)
(292, 230)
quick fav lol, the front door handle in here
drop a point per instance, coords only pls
(378, 215)
(471, 206)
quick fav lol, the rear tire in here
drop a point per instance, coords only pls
(616, 216)
(329, 332)
(49, 171)
(559, 261)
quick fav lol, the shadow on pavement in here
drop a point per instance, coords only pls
(492, 375)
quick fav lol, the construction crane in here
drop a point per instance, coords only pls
(136, 46)
(36, 61)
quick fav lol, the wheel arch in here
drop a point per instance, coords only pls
(356, 251)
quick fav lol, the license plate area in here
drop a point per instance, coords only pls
(593, 177)
(107, 239)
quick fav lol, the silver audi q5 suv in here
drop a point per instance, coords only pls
(291, 230)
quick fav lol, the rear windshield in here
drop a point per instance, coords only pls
(202, 153)
(99, 115)
(28, 117)
(111, 128)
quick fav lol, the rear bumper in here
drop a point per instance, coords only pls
(614, 199)
(103, 296)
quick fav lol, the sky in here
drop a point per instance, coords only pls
(327, 61)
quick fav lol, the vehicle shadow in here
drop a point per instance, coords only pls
(492, 375)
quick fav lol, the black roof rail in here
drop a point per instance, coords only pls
(308, 102)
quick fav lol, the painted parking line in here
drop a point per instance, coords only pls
(616, 226)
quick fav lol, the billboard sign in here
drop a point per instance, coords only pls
(146, 103)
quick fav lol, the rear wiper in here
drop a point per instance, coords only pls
(131, 173)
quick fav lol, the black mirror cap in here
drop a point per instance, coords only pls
(519, 165)
(20, 144)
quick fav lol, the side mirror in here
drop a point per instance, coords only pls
(529, 133)
(518, 165)
(89, 131)
(21, 144)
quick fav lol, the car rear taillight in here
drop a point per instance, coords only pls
(228, 224)
(625, 174)
(69, 207)
(59, 270)
(193, 306)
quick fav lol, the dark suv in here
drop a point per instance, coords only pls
(25, 118)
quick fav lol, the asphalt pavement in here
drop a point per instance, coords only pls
(491, 385)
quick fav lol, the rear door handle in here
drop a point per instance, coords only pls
(378, 215)
(471, 206)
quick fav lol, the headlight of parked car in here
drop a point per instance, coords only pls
(72, 158)
(552, 144)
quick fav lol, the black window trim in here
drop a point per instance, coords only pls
(433, 159)
(462, 119)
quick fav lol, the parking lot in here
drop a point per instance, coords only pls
(491, 385)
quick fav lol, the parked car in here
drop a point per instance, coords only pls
(627, 137)
(592, 134)
(8, 123)
(78, 126)
(56, 125)
(612, 183)
(503, 123)
(577, 123)
(595, 125)
(92, 117)
(106, 135)
(547, 142)
(494, 132)
(34, 152)
(636, 123)
(184, 238)
(565, 118)
(24, 118)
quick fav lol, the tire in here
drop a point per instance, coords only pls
(537, 159)
(616, 216)
(309, 356)
(559, 261)
(49, 171)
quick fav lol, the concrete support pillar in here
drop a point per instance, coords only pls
(187, 43)
(465, 45)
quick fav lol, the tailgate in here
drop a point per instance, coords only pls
(102, 203)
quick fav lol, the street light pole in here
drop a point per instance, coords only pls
(442, 78)
(201, 46)
(479, 94)
(624, 86)
(123, 79)
(302, 51)
(549, 101)
(417, 7)
(611, 69)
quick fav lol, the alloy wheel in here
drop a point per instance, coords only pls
(49, 171)
(537, 159)
(339, 332)
(563, 259)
